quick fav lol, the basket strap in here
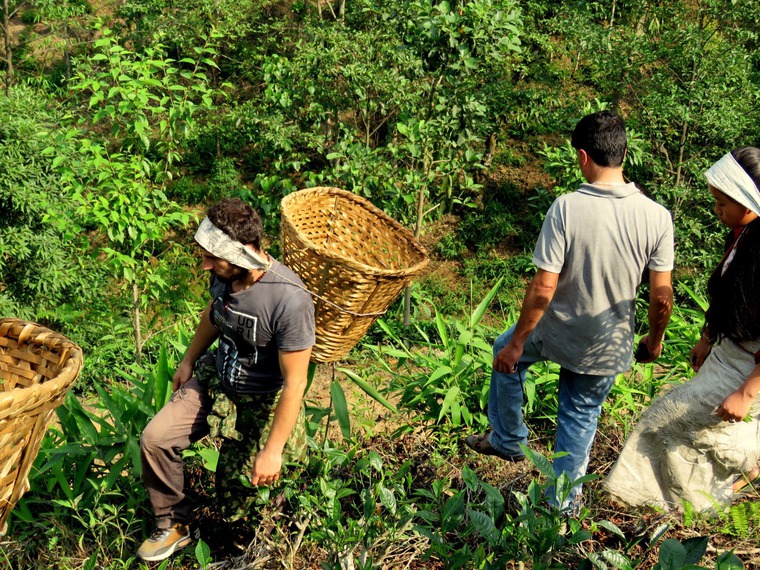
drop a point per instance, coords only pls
(324, 300)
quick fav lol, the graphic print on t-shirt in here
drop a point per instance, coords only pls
(244, 326)
(238, 332)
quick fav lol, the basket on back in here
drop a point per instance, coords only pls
(352, 256)
(37, 367)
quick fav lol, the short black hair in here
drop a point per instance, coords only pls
(602, 136)
(748, 158)
(238, 220)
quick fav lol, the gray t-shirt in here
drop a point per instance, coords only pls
(600, 239)
(273, 314)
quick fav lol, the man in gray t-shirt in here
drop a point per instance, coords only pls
(248, 391)
(578, 311)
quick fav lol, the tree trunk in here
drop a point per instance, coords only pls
(417, 232)
(685, 126)
(8, 52)
(138, 333)
(681, 148)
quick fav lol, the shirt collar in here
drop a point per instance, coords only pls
(608, 191)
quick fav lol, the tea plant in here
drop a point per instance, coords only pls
(445, 379)
(673, 555)
(471, 528)
(357, 506)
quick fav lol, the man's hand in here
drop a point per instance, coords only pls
(538, 295)
(266, 468)
(183, 374)
(735, 407)
(654, 351)
(699, 353)
(507, 358)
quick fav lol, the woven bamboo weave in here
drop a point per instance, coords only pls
(351, 254)
(37, 367)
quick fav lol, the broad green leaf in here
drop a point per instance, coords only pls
(451, 396)
(728, 561)
(481, 309)
(484, 526)
(442, 329)
(367, 388)
(470, 478)
(453, 509)
(387, 498)
(86, 426)
(543, 464)
(618, 559)
(341, 409)
(376, 461)
(203, 554)
(439, 372)
(659, 532)
(494, 500)
(163, 379)
(210, 458)
(695, 547)
(580, 536)
(672, 555)
(612, 527)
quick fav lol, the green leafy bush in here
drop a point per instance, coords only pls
(42, 269)
(445, 380)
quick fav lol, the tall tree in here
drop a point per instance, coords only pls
(144, 105)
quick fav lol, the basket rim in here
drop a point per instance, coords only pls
(67, 374)
(363, 202)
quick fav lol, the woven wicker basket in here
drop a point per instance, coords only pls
(37, 367)
(352, 257)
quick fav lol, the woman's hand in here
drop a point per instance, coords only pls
(735, 407)
(699, 353)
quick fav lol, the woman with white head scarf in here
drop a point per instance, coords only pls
(700, 442)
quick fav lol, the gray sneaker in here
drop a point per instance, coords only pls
(165, 542)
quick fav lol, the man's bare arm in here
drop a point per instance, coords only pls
(204, 336)
(268, 462)
(538, 295)
(660, 309)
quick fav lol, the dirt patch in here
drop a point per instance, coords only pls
(438, 229)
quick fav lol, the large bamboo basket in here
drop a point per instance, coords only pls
(353, 258)
(37, 367)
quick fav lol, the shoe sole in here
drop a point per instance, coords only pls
(180, 544)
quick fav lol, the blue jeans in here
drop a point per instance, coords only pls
(580, 401)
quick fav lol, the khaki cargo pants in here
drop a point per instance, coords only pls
(200, 408)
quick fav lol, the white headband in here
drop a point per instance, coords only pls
(219, 244)
(729, 177)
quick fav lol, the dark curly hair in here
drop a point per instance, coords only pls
(602, 136)
(238, 220)
(735, 295)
